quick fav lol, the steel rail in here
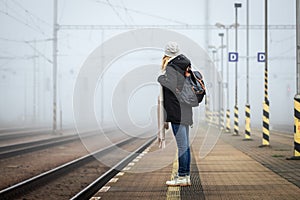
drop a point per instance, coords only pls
(13, 147)
(20, 134)
(36, 181)
(8, 130)
(94, 187)
(23, 148)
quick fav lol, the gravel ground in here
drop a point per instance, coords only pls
(19, 168)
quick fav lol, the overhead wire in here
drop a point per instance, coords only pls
(24, 16)
(34, 18)
(40, 53)
(142, 13)
(24, 41)
(127, 12)
(115, 11)
(283, 54)
(30, 13)
(15, 14)
(22, 22)
(8, 7)
(28, 42)
(34, 27)
(11, 40)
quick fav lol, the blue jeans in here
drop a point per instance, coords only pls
(181, 133)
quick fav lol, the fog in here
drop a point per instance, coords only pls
(106, 79)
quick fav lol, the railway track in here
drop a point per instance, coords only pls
(91, 189)
(68, 170)
(27, 147)
(20, 133)
(6, 130)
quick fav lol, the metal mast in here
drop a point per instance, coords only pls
(55, 29)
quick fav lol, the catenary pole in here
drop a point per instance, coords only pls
(222, 80)
(236, 111)
(247, 106)
(55, 29)
(227, 83)
(266, 103)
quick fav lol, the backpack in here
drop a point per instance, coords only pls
(193, 89)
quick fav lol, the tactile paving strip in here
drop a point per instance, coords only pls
(195, 191)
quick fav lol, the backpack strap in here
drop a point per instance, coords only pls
(199, 79)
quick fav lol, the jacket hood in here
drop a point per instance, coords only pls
(180, 62)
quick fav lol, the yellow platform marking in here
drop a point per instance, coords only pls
(104, 189)
(130, 164)
(113, 180)
(173, 192)
(120, 174)
(126, 168)
(95, 198)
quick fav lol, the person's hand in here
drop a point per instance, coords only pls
(166, 125)
(187, 74)
(187, 71)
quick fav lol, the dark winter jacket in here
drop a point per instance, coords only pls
(172, 82)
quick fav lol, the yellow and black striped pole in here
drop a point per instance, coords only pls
(266, 103)
(266, 122)
(228, 128)
(297, 96)
(247, 107)
(297, 127)
(236, 120)
(266, 115)
(247, 123)
(236, 110)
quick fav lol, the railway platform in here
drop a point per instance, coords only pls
(232, 169)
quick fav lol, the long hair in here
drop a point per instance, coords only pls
(165, 61)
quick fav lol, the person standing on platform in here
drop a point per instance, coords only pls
(177, 67)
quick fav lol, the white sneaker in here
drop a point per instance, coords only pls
(188, 177)
(179, 181)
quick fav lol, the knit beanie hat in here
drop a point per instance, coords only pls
(172, 49)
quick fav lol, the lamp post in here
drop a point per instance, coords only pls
(55, 29)
(266, 103)
(227, 27)
(221, 82)
(236, 112)
(214, 55)
(247, 106)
